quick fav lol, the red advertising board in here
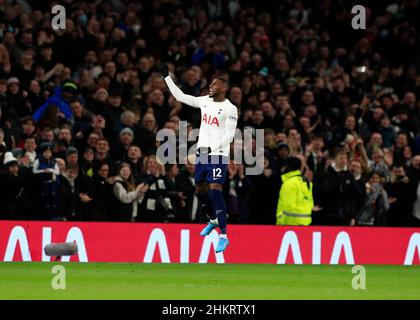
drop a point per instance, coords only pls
(181, 243)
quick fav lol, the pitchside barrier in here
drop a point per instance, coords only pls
(181, 243)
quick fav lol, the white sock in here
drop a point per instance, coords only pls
(215, 221)
(223, 235)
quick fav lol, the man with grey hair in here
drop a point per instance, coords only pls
(125, 140)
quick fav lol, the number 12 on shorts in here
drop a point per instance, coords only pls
(217, 173)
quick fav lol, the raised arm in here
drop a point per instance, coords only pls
(177, 92)
(179, 95)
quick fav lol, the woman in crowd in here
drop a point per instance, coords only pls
(126, 196)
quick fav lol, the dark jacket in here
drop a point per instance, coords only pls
(100, 191)
(136, 169)
(184, 184)
(237, 193)
(172, 190)
(11, 188)
(399, 213)
(68, 199)
(340, 197)
(263, 201)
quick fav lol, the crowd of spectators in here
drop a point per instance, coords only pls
(80, 107)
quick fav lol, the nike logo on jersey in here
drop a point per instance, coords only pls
(208, 119)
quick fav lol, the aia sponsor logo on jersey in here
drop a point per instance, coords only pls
(208, 119)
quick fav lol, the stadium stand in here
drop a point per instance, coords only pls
(77, 103)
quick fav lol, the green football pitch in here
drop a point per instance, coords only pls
(205, 281)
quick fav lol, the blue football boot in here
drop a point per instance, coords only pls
(222, 245)
(208, 229)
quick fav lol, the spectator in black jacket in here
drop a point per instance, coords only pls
(112, 112)
(263, 200)
(11, 187)
(18, 106)
(185, 184)
(94, 194)
(68, 194)
(237, 192)
(177, 197)
(400, 197)
(147, 132)
(101, 193)
(316, 157)
(340, 195)
(356, 170)
(86, 163)
(134, 156)
(103, 155)
(119, 149)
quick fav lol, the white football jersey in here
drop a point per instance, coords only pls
(218, 120)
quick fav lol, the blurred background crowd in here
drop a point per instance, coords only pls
(80, 108)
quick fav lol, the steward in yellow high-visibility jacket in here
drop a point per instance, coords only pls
(295, 201)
